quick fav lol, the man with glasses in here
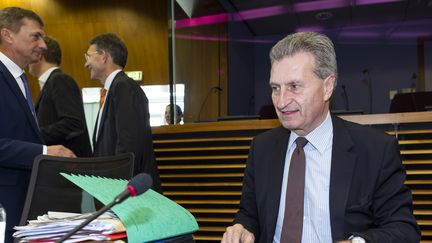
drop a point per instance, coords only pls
(21, 43)
(123, 121)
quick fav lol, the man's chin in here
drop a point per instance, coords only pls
(288, 124)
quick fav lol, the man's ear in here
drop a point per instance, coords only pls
(105, 56)
(329, 86)
(6, 35)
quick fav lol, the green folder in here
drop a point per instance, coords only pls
(148, 217)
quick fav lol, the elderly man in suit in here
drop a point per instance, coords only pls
(21, 43)
(59, 107)
(123, 122)
(318, 178)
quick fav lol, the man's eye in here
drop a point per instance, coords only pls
(294, 86)
(36, 36)
(275, 88)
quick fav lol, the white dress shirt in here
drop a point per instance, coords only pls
(316, 220)
(16, 72)
(107, 86)
(44, 77)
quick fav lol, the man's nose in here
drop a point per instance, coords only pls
(284, 98)
(42, 44)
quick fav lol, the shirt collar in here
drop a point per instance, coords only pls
(320, 137)
(44, 77)
(110, 78)
(12, 67)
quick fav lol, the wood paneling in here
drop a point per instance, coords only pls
(141, 24)
(201, 64)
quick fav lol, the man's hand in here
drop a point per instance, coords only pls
(60, 150)
(237, 233)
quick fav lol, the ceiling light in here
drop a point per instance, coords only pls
(323, 15)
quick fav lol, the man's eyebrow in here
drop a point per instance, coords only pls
(38, 34)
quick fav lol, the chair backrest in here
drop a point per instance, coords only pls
(50, 191)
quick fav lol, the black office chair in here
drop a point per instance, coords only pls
(50, 191)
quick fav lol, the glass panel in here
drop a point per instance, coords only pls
(221, 53)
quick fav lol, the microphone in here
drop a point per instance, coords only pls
(217, 88)
(413, 89)
(369, 84)
(413, 82)
(345, 96)
(136, 186)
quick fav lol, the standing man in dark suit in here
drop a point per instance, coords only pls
(123, 123)
(21, 43)
(318, 178)
(59, 107)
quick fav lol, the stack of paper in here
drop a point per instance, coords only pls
(50, 227)
(147, 217)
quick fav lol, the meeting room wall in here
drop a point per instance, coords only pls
(141, 24)
(390, 66)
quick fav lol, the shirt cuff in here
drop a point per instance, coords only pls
(44, 150)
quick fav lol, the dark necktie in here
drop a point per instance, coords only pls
(28, 94)
(293, 219)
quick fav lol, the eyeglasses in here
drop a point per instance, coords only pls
(87, 55)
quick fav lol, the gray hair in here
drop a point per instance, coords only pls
(320, 46)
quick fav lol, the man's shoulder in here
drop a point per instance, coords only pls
(123, 82)
(122, 79)
(60, 76)
(359, 131)
(273, 134)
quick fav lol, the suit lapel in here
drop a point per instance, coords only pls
(40, 97)
(276, 169)
(342, 168)
(11, 82)
(105, 110)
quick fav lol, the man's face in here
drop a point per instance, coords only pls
(301, 99)
(27, 44)
(94, 63)
(35, 68)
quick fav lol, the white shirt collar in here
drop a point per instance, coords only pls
(320, 137)
(110, 78)
(44, 77)
(13, 68)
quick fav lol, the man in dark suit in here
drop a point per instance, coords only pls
(123, 123)
(59, 107)
(318, 178)
(21, 43)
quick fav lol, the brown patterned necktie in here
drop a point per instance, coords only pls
(293, 219)
(102, 98)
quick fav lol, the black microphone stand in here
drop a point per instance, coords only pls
(345, 96)
(205, 100)
(369, 83)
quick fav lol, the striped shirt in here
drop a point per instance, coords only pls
(316, 223)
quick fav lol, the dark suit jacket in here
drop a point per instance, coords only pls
(20, 142)
(125, 126)
(60, 113)
(367, 192)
